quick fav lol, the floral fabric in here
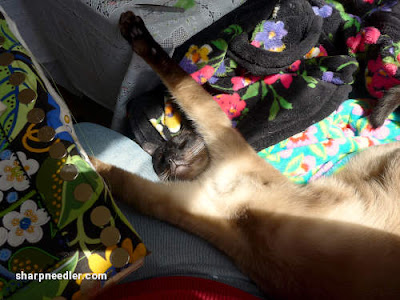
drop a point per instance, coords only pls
(259, 105)
(325, 147)
(45, 226)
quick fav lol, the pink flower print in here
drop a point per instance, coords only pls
(378, 133)
(332, 146)
(363, 142)
(348, 131)
(340, 108)
(240, 82)
(322, 51)
(286, 153)
(391, 69)
(323, 169)
(358, 110)
(303, 138)
(294, 66)
(369, 1)
(204, 74)
(286, 79)
(369, 35)
(232, 105)
(380, 79)
(309, 162)
(354, 42)
(256, 43)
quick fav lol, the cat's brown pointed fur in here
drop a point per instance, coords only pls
(335, 238)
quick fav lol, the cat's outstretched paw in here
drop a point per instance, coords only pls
(135, 32)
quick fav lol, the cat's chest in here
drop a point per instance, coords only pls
(228, 185)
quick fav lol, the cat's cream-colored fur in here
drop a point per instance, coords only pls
(335, 238)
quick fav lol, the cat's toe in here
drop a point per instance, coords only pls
(135, 32)
(125, 25)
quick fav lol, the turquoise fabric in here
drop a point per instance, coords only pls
(324, 148)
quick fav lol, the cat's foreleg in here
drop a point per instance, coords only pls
(183, 204)
(211, 122)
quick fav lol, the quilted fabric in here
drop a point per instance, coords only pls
(325, 147)
(55, 210)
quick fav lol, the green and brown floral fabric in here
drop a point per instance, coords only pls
(56, 213)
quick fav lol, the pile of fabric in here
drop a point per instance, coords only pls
(278, 67)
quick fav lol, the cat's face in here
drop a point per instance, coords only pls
(183, 157)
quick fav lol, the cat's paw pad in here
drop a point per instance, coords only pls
(135, 32)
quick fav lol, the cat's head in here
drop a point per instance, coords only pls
(183, 157)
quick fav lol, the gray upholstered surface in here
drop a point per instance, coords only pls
(78, 41)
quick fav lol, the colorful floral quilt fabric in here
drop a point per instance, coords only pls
(56, 214)
(325, 147)
(296, 64)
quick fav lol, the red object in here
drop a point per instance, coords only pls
(177, 287)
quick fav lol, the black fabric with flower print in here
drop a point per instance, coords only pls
(253, 63)
(304, 29)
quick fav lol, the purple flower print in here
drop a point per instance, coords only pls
(328, 77)
(187, 65)
(220, 71)
(356, 17)
(272, 35)
(324, 12)
(386, 7)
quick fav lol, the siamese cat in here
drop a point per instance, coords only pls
(334, 238)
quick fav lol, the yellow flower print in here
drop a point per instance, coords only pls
(197, 55)
(139, 252)
(156, 124)
(278, 49)
(98, 264)
(172, 118)
(314, 52)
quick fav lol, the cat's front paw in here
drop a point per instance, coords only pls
(135, 32)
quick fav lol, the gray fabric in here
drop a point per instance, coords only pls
(174, 251)
(80, 43)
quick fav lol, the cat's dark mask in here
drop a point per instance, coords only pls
(183, 157)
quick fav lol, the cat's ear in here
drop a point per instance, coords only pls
(150, 148)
